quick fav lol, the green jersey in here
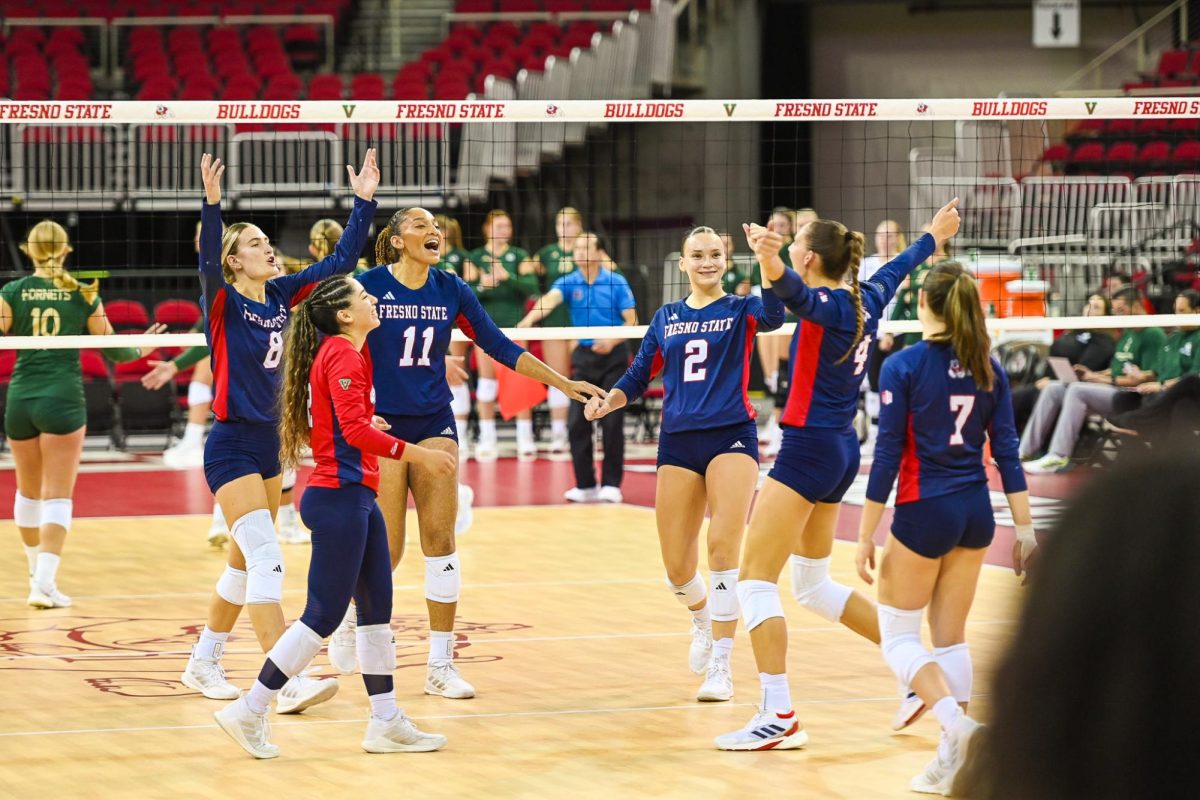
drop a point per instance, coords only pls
(504, 302)
(39, 308)
(1139, 347)
(556, 262)
(1180, 355)
(735, 276)
(906, 302)
(453, 261)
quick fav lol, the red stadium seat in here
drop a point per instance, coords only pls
(367, 86)
(1089, 153)
(1153, 155)
(127, 314)
(325, 87)
(1057, 153)
(1187, 155)
(1121, 154)
(177, 314)
(93, 365)
(8, 361)
(1172, 63)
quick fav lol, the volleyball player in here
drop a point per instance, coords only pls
(819, 458)
(45, 414)
(246, 305)
(708, 448)
(942, 400)
(419, 305)
(495, 275)
(328, 401)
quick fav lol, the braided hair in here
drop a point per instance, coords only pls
(841, 251)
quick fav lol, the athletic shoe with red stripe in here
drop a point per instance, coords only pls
(769, 730)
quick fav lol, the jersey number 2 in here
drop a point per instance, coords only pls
(961, 404)
(410, 340)
(696, 352)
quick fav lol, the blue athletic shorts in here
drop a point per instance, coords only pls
(934, 526)
(417, 429)
(695, 450)
(819, 464)
(236, 449)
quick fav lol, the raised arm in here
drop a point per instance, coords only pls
(212, 276)
(768, 311)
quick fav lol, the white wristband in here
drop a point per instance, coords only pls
(1025, 534)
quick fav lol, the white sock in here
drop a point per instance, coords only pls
(210, 645)
(441, 647)
(722, 648)
(351, 614)
(193, 433)
(947, 711)
(218, 520)
(31, 554)
(524, 430)
(702, 618)
(46, 569)
(286, 515)
(383, 706)
(776, 696)
(259, 698)
(558, 428)
(460, 428)
(487, 431)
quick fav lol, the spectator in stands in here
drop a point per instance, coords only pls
(1062, 408)
(494, 272)
(737, 281)
(1108, 624)
(1092, 349)
(595, 296)
(1119, 280)
(455, 259)
(889, 243)
(1168, 408)
(454, 255)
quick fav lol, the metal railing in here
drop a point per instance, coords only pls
(1161, 27)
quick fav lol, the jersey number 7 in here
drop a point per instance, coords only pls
(962, 405)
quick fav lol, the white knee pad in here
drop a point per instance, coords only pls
(723, 602)
(760, 601)
(376, 649)
(27, 513)
(691, 592)
(231, 586)
(296, 649)
(487, 390)
(955, 662)
(255, 535)
(460, 400)
(556, 399)
(289, 480)
(199, 393)
(900, 640)
(815, 590)
(57, 511)
(443, 578)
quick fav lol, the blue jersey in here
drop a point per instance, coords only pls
(246, 336)
(822, 392)
(704, 355)
(408, 349)
(597, 303)
(933, 422)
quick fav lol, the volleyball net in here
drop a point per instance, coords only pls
(1060, 198)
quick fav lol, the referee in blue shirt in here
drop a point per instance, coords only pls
(595, 296)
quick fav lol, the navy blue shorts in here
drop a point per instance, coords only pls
(418, 428)
(695, 450)
(819, 464)
(236, 449)
(934, 526)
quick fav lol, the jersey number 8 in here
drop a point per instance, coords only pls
(275, 351)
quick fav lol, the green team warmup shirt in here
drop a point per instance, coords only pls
(39, 308)
(906, 303)
(453, 261)
(1180, 355)
(1140, 347)
(505, 303)
(557, 262)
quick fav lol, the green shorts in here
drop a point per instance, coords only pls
(27, 417)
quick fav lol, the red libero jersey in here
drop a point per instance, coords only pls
(341, 402)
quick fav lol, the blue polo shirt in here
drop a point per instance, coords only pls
(598, 303)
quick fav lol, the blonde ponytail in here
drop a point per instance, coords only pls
(48, 245)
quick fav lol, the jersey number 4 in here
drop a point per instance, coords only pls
(961, 405)
(860, 355)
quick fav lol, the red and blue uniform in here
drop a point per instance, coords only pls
(349, 538)
(933, 424)
(704, 355)
(408, 349)
(246, 340)
(820, 455)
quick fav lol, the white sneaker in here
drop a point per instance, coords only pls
(442, 678)
(577, 495)
(486, 452)
(41, 597)
(466, 516)
(399, 735)
(718, 684)
(527, 450)
(1047, 465)
(931, 780)
(343, 647)
(700, 651)
(942, 775)
(769, 730)
(610, 494)
(911, 709)
(218, 531)
(560, 448)
(303, 692)
(290, 529)
(184, 455)
(250, 730)
(207, 676)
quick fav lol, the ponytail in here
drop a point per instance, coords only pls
(855, 245)
(317, 315)
(951, 294)
(385, 253)
(47, 246)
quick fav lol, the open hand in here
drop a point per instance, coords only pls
(365, 181)
(211, 170)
